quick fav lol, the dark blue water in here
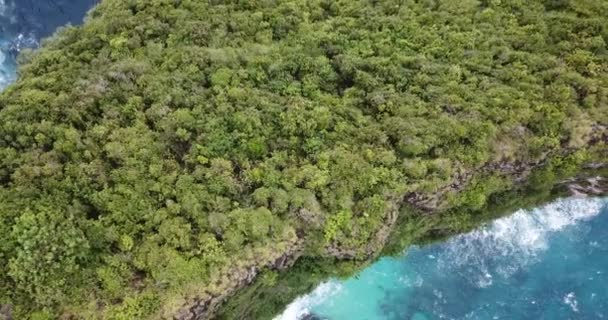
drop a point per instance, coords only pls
(548, 263)
(24, 22)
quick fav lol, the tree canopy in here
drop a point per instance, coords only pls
(166, 141)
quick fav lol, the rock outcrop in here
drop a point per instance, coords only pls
(589, 186)
(205, 306)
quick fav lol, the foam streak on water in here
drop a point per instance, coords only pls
(546, 263)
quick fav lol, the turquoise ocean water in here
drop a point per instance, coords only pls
(547, 263)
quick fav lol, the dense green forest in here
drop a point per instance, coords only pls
(151, 154)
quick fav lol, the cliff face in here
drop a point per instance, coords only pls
(205, 307)
(590, 181)
(517, 171)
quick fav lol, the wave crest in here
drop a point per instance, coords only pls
(301, 307)
(483, 256)
(518, 239)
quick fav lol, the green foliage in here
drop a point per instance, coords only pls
(558, 168)
(475, 197)
(47, 255)
(133, 308)
(339, 223)
(146, 153)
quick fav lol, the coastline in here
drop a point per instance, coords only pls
(260, 280)
(412, 226)
(489, 271)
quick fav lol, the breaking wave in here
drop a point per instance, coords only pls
(9, 49)
(484, 260)
(509, 244)
(301, 307)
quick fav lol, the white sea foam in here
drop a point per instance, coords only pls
(5, 73)
(570, 300)
(511, 243)
(8, 49)
(301, 306)
(24, 41)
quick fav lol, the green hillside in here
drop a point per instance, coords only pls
(167, 150)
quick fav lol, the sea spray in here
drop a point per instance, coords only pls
(300, 307)
(510, 243)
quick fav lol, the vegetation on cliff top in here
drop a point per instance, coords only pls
(164, 142)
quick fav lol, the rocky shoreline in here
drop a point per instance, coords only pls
(520, 171)
(206, 308)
